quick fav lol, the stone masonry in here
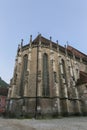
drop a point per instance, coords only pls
(48, 80)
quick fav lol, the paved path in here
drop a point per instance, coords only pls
(75, 123)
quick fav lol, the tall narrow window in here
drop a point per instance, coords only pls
(25, 60)
(45, 75)
(63, 70)
(24, 69)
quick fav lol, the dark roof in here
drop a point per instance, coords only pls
(70, 49)
(76, 52)
(3, 83)
(82, 79)
(43, 39)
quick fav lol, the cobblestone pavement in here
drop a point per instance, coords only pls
(74, 123)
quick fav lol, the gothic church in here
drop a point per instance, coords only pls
(48, 80)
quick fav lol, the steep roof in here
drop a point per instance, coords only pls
(70, 49)
(46, 41)
(43, 39)
(76, 52)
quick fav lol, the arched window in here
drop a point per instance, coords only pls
(63, 70)
(24, 70)
(25, 62)
(45, 75)
(63, 66)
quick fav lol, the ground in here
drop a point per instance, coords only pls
(73, 123)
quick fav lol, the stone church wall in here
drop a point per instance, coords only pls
(45, 87)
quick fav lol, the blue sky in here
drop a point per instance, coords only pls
(64, 20)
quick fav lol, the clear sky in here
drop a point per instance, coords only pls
(64, 20)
